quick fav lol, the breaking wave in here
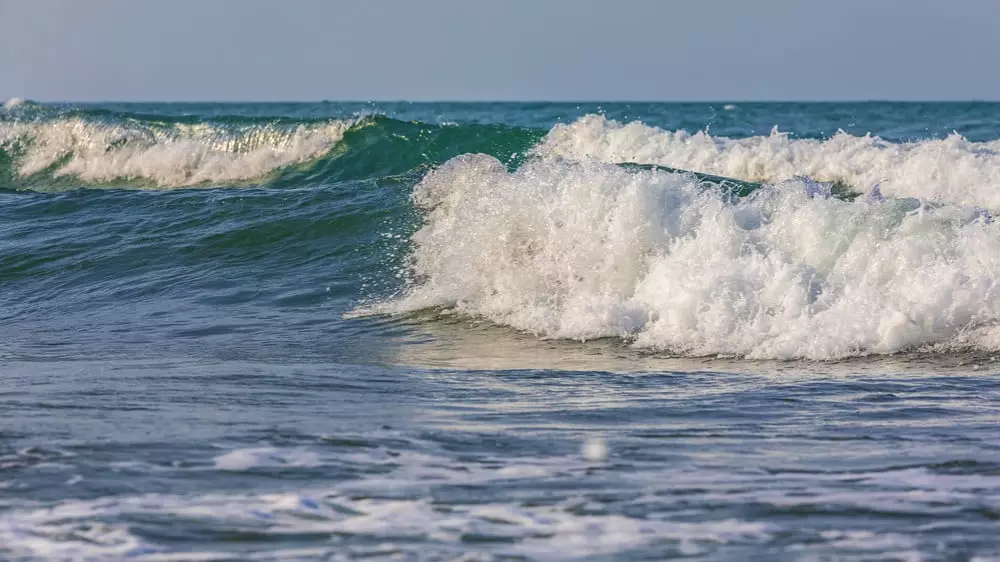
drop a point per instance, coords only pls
(99, 148)
(586, 250)
(161, 154)
(949, 170)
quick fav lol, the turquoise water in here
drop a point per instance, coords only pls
(525, 331)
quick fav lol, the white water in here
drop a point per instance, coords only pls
(169, 156)
(12, 103)
(951, 170)
(584, 250)
(75, 529)
(390, 512)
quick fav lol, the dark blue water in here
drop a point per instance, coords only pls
(339, 331)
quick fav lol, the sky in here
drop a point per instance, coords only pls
(740, 50)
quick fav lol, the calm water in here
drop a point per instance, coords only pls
(338, 331)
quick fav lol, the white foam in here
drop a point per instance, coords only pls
(67, 532)
(72, 530)
(264, 457)
(950, 170)
(586, 250)
(13, 103)
(175, 156)
(394, 511)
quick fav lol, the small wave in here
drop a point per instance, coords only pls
(164, 154)
(267, 457)
(950, 170)
(13, 103)
(583, 250)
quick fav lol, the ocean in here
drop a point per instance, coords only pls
(499, 331)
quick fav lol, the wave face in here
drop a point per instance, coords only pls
(552, 219)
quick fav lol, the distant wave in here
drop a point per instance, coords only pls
(162, 154)
(101, 148)
(13, 103)
(950, 170)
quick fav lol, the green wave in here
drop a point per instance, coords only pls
(381, 147)
(100, 148)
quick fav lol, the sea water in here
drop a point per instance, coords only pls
(518, 331)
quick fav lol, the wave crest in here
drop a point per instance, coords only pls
(950, 170)
(165, 155)
(13, 103)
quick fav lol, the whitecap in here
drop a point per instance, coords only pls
(177, 156)
(950, 170)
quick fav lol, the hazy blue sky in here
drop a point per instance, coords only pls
(502, 49)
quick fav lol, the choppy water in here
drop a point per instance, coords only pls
(499, 331)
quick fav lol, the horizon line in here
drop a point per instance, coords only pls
(508, 101)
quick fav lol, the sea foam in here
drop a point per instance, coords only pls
(949, 170)
(585, 250)
(12, 103)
